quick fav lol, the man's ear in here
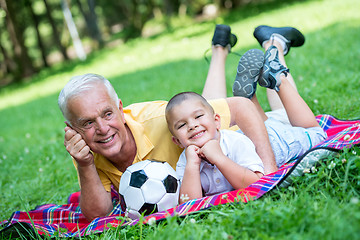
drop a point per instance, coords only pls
(121, 108)
(217, 121)
(121, 105)
(176, 141)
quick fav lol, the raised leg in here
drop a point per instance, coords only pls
(278, 78)
(215, 85)
(222, 42)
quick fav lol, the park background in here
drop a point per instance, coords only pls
(153, 54)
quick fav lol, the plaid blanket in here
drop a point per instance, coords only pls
(68, 221)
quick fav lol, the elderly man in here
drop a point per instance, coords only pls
(104, 138)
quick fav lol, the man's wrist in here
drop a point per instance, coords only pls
(86, 167)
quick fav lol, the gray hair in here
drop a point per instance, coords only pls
(82, 83)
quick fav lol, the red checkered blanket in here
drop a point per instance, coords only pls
(68, 221)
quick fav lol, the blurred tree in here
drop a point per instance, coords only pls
(32, 29)
(132, 15)
(137, 13)
(36, 21)
(23, 62)
(91, 21)
(55, 34)
(7, 65)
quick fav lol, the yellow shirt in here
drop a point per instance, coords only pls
(153, 139)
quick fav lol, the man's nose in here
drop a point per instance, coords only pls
(102, 126)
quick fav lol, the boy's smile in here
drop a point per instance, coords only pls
(192, 123)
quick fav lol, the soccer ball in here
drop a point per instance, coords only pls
(147, 187)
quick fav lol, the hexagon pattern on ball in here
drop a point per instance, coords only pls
(149, 186)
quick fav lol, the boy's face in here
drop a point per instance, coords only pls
(192, 123)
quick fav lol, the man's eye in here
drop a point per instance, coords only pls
(88, 124)
(108, 114)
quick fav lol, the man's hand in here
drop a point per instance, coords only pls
(77, 147)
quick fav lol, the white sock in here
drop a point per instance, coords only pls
(279, 38)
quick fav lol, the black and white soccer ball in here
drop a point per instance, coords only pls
(149, 186)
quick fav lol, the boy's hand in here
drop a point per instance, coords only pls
(192, 155)
(211, 151)
(77, 147)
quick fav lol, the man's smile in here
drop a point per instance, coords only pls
(107, 139)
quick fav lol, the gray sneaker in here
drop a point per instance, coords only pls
(270, 76)
(247, 75)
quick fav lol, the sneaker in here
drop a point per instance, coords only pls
(247, 75)
(224, 37)
(270, 76)
(291, 36)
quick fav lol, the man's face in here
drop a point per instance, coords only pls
(99, 121)
(193, 124)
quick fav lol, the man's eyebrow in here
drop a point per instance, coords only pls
(107, 109)
(83, 120)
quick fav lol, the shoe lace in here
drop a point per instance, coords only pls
(208, 61)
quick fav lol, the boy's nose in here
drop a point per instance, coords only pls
(193, 125)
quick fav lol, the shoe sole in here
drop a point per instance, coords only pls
(248, 71)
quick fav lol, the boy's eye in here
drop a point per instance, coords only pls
(181, 125)
(199, 116)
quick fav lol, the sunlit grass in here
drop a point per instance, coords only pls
(36, 169)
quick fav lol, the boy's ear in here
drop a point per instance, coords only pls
(217, 121)
(176, 141)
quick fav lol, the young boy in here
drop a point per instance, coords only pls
(214, 160)
(298, 130)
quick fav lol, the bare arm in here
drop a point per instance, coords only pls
(191, 183)
(244, 114)
(95, 201)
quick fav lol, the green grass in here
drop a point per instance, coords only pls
(36, 169)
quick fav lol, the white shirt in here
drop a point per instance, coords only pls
(235, 146)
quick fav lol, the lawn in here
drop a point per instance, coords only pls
(36, 169)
